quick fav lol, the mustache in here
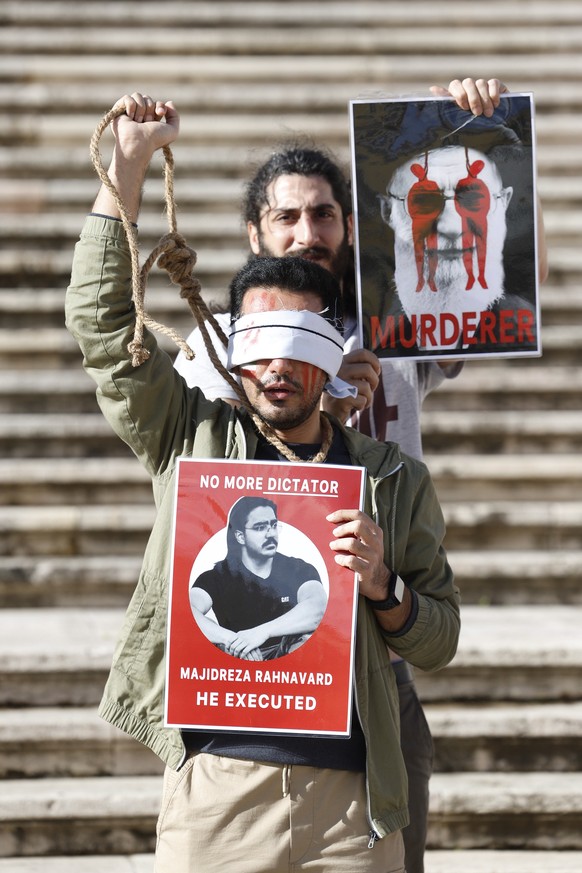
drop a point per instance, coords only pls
(279, 380)
(318, 251)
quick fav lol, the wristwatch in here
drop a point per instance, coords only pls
(395, 594)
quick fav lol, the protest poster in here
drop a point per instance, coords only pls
(445, 229)
(250, 549)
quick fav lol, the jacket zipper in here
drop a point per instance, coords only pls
(373, 835)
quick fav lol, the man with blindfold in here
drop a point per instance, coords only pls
(275, 802)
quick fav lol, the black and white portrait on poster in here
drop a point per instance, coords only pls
(445, 228)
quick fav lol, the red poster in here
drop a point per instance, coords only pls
(261, 618)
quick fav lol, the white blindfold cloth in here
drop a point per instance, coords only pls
(299, 335)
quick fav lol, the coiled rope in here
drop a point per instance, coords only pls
(174, 255)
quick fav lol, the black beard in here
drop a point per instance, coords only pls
(288, 420)
(339, 260)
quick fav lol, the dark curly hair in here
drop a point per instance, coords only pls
(295, 160)
(293, 274)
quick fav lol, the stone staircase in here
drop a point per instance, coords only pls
(503, 441)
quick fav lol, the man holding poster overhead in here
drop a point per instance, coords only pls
(446, 231)
(280, 802)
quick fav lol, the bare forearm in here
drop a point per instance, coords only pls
(213, 631)
(128, 177)
(302, 619)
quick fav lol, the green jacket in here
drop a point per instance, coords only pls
(160, 418)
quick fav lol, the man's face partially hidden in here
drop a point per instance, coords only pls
(285, 393)
(303, 219)
(447, 210)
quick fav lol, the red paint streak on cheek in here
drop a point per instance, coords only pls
(308, 374)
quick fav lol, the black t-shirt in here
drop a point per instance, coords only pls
(241, 599)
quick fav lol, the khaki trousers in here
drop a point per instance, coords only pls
(226, 814)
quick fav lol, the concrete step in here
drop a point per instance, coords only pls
(532, 385)
(498, 578)
(502, 737)
(27, 308)
(70, 480)
(32, 221)
(28, 264)
(79, 816)
(505, 737)
(560, 343)
(73, 480)
(563, 264)
(321, 92)
(506, 811)
(200, 160)
(437, 861)
(214, 195)
(483, 861)
(58, 435)
(31, 264)
(551, 381)
(104, 580)
(528, 432)
(54, 657)
(320, 120)
(38, 309)
(510, 524)
(502, 432)
(236, 13)
(94, 864)
(52, 351)
(219, 229)
(515, 384)
(384, 36)
(521, 653)
(515, 476)
(68, 742)
(69, 529)
(217, 198)
(518, 578)
(560, 304)
(75, 530)
(118, 815)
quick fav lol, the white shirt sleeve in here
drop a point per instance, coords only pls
(200, 371)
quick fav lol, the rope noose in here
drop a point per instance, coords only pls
(174, 255)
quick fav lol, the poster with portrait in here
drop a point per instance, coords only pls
(445, 231)
(261, 618)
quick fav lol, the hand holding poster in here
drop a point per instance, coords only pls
(261, 618)
(445, 228)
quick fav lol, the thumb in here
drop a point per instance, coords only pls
(439, 91)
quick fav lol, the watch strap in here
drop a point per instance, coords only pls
(395, 594)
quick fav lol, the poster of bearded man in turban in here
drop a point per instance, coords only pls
(445, 228)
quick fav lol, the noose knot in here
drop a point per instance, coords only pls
(174, 255)
(138, 352)
(178, 259)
